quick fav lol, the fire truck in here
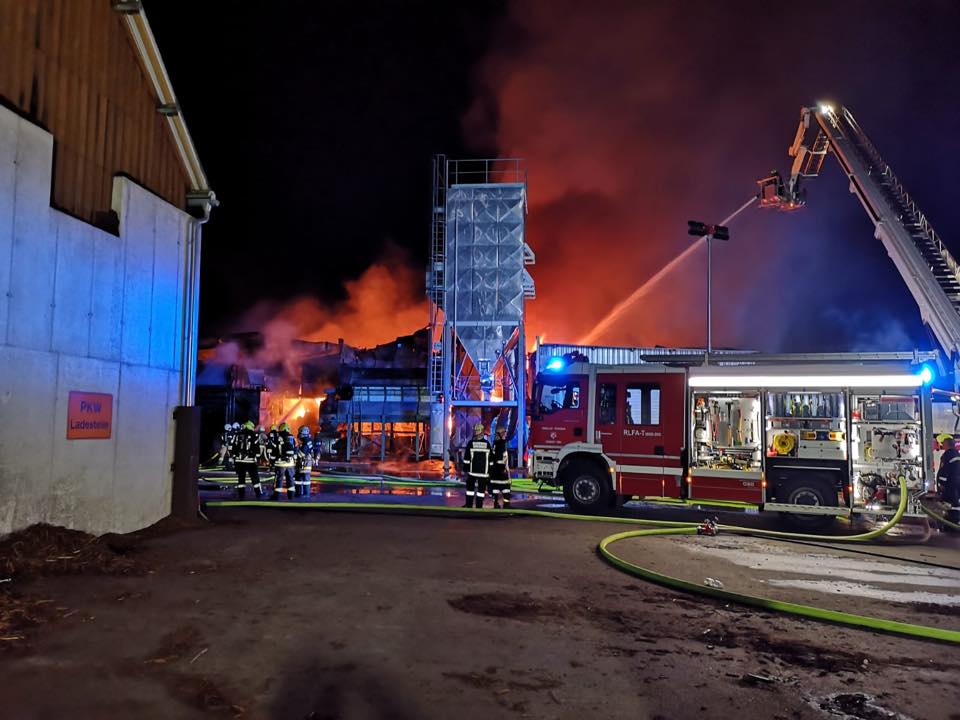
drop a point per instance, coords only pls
(810, 435)
(813, 436)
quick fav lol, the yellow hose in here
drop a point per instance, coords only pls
(834, 616)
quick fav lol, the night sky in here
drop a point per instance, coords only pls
(316, 123)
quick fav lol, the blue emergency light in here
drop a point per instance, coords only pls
(926, 375)
(554, 364)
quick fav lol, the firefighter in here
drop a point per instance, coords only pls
(285, 453)
(948, 476)
(226, 438)
(246, 452)
(317, 447)
(264, 450)
(234, 433)
(304, 461)
(500, 470)
(476, 464)
(272, 452)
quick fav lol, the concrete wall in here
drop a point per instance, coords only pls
(81, 309)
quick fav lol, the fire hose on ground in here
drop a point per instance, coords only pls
(939, 518)
(665, 527)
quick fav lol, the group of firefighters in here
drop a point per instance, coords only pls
(487, 467)
(289, 458)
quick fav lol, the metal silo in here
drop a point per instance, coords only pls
(477, 284)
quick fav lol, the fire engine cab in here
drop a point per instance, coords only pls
(810, 435)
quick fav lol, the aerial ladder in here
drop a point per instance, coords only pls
(926, 265)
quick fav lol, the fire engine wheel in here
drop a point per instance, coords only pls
(809, 491)
(584, 489)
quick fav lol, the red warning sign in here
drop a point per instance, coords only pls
(89, 416)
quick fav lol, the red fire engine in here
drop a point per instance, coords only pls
(810, 435)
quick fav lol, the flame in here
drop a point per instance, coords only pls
(319, 401)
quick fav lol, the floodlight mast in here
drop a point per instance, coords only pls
(719, 231)
(931, 273)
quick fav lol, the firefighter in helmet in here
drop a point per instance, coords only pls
(304, 461)
(286, 453)
(948, 476)
(234, 433)
(226, 438)
(500, 470)
(246, 453)
(262, 434)
(272, 452)
(476, 464)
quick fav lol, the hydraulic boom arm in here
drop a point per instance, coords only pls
(931, 273)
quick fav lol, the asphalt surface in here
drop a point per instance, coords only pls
(267, 613)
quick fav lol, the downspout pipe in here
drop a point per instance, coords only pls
(188, 386)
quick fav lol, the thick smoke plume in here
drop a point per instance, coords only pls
(386, 301)
(635, 117)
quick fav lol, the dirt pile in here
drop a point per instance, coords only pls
(18, 614)
(42, 550)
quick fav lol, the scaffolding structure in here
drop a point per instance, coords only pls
(477, 285)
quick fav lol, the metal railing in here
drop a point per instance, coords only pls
(486, 170)
(909, 205)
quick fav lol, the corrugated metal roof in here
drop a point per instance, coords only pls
(611, 355)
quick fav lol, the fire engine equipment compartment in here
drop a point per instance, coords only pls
(885, 445)
(725, 457)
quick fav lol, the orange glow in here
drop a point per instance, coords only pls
(588, 193)
(319, 401)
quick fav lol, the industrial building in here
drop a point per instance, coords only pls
(102, 198)
(373, 400)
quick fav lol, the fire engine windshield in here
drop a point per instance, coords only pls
(555, 396)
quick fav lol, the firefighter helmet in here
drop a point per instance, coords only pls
(284, 427)
(228, 426)
(235, 426)
(303, 431)
(273, 428)
(478, 429)
(248, 425)
(501, 431)
(260, 429)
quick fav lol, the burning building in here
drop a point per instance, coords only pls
(367, 403)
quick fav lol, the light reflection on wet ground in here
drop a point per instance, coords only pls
(330, 490)
(345, 488)
(365, 488)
